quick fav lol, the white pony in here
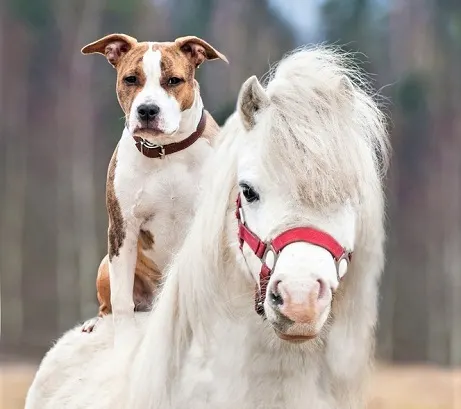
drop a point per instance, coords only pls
(304, 159)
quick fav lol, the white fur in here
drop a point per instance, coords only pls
(204, 345)
(153, 92)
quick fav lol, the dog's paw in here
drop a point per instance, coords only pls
(89, 325)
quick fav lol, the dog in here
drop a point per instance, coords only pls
(153, 176)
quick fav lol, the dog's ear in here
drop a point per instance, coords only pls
(198, 50)
(113, 46)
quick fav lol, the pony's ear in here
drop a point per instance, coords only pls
(112, 46)
(198, 50)
(252, 99)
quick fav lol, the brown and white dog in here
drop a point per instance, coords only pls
(153, 177)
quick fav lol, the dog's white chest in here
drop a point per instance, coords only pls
(165, 192)
(160, 194)
(167, 207)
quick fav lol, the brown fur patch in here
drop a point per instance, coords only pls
(147, 239)
(116, 231)
(147, 279)
(174, 63)
(103, 287)
(131, 64)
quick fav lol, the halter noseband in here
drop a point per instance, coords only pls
(297, 234)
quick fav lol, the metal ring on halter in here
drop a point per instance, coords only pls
(269, 249)
(345, 256)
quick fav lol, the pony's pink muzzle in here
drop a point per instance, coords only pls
(299, 307)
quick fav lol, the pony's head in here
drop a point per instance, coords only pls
(312, 149)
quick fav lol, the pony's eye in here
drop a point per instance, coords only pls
(174, 81)
(131, 79)
(250, 194)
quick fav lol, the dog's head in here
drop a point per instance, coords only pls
(155, 81)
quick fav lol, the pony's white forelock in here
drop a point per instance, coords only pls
(320, 107)
(321, 122)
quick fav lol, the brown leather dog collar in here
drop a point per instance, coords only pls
(152, 150)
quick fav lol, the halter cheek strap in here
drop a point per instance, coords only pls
(298, 234)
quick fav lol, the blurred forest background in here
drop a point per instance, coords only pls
(60, 121)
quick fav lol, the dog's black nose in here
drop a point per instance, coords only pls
(147, 112)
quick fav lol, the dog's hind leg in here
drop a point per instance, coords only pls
(103, 294)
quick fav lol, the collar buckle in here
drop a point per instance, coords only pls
(149, 145)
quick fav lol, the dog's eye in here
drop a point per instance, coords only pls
(174, 81)
(131, 79)
(250, 194)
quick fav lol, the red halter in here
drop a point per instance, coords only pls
(297, 234)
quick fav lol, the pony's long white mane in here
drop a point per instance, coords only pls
(321, 122)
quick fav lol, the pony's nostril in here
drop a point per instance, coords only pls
(275, 297)
(322, 289)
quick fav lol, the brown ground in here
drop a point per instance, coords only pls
(408, 387)
(14, 382)
(416, 387)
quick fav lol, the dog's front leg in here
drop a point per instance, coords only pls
(122, 264)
